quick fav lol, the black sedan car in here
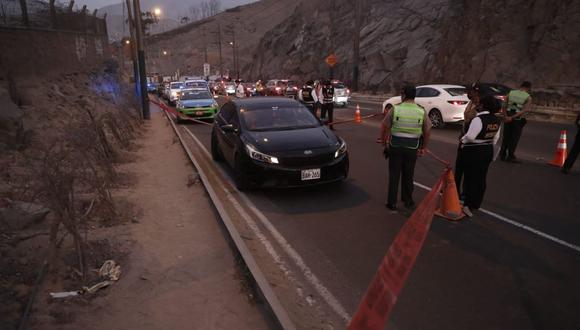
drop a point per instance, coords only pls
(271, 141)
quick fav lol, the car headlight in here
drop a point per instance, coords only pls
(255, 154)
(341, 149)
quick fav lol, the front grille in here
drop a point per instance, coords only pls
(307, 160)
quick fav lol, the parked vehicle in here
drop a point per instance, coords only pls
(229, 88)
(276, 142)
(291, 89)
(174, 91)
(341, 93)
(196, 83)
(196, 103)
(276, 87)
(250, 89)
(443, 103)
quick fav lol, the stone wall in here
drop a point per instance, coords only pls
(43, 52)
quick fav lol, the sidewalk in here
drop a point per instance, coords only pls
(182, 273)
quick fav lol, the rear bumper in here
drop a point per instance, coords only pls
(198, 113)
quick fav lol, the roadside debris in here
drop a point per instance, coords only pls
(109, 271)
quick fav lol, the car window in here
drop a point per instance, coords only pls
(195, 95)
(427, 92)
(227, 112)
(194, 84)
(176, 85)
(456, 91)
(278, 118)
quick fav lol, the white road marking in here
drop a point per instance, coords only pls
(519, 225)
(293, 254)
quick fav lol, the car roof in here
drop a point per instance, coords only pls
(194, 89)
(441, 86)
(262, 102)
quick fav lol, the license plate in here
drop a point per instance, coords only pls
(199, 113)
(312, 174)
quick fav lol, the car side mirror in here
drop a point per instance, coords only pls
(229, 128)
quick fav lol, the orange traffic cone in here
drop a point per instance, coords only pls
(357, 117)
(561, 153)
(449, 206)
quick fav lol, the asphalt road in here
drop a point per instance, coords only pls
(480, 273)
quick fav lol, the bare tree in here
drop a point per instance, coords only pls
(194, 13)
(214, 6)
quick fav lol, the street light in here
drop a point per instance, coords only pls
(157, 12)
(127, 41)
(164, 52)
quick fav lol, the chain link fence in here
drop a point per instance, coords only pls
(50, 14)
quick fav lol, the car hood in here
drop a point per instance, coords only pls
(196, 103)
(292, 140)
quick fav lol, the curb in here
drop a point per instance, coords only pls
(268, 295)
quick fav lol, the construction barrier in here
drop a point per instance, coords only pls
(381, 296)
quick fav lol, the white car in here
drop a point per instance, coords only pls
(341, 93)
(174, 91)
(443, 103)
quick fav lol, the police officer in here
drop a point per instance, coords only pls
(477, 152)
(473, 93)
(405, 134)
(308, 97)
(574, 151)
(519, 103)
(327, 100)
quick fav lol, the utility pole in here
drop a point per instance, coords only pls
(141, 59)
(234, 45)
(220, 49)
(204, 46)
(356, 45)
(133, 45)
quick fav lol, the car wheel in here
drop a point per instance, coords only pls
(436, 118)
(242, 179)
(216, 153)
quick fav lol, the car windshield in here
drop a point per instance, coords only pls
(278, 118)
(338, 85)
(456, 91)
(176, 85)
(195, 95)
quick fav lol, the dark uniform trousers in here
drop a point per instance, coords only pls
(512, 132)
(327, 108)
(459, 166)
(475, 160)
(573, 152)
(401, 162)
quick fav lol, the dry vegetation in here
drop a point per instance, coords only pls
(58, 172)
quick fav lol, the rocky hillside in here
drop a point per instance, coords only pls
(185, 47)
(430, 41)
(420, 41)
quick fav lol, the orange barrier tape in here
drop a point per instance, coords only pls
(381, 296)
(351, 120)
(442, 161)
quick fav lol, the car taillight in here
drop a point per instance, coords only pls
(348, 91)
(457, 102)
(278, 88)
